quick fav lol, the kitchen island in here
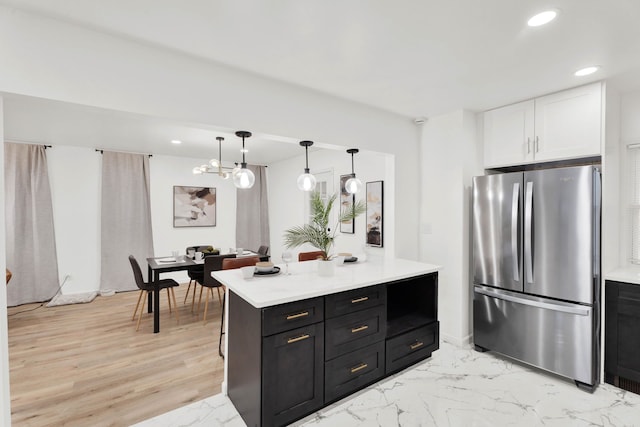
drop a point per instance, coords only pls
(298, 342)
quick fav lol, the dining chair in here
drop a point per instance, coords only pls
(196, 272)
(263, 250)
(229, 264)
(309, 256)
(192, 272)
(211, 263)
(146, 287)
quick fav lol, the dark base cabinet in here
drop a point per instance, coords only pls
(346, 374)
(288, 361)
(277, 378)
(292, 375)
(411, 347)
(622, 335)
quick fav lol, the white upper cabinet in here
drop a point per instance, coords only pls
(559, 126)
(508, 134)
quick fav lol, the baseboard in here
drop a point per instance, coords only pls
(464, 342)
(223, 388)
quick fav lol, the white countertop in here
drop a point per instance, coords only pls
(624, 274)
(304, 282)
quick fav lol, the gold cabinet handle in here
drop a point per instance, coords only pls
(359, 328)
(418, 344)
(296, 339)
(359, 367)
(298, 315)
(357, 300)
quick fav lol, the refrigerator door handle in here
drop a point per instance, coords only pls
(528, 218)
(533, 303)
(514, 230)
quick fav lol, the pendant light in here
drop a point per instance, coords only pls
(306, 181)
(353, 184)
(214, 165)
(243, 178)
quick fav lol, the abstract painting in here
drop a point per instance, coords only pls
(194, 206)
(346, 202)
(375, 203)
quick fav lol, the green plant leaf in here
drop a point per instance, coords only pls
(317, 233)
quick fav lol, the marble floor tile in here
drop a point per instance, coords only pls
(455, 387)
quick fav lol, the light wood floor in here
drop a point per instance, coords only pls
(85, 364)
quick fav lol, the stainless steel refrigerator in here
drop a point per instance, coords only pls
(536, 269)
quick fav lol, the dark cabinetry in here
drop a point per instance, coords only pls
(292, 375)
(412, 321)
(622, 335)
(355, 331)
(289, 360)
(352, 371)
(276, 360)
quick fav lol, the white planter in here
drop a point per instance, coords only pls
(326, 268)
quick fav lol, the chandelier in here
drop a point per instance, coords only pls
(215, 165)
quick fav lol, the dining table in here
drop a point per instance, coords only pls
(167, 264)
(157, 266)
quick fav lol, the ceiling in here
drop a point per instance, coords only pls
(42, 121)
(416, 58)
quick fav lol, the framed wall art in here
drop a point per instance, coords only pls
(194, 206)
(346, 202)
(375, 208)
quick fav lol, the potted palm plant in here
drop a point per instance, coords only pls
(317, 232)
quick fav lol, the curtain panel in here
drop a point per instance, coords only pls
(252, 212)
(30, 237)
(126, 218)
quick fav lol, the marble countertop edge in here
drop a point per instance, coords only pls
(304, 281)
(624, 274)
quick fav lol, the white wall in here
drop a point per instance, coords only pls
(450, 156)
(5, 399)
(168, 171)
(612, 174)
(287, 202)
(74, 176)
(629, 134)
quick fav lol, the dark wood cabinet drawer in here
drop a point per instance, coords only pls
(355, 330)
(346, 374)
(284, 317)
(358, 299)
(414, 345)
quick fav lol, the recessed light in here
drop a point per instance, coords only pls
(586, 71)
(542, 18)
(176, 141)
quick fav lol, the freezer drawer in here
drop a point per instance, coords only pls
(552, 335)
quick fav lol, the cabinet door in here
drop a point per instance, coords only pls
(508, 135)
(622, 337)
(568, 124)
(292, 374)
